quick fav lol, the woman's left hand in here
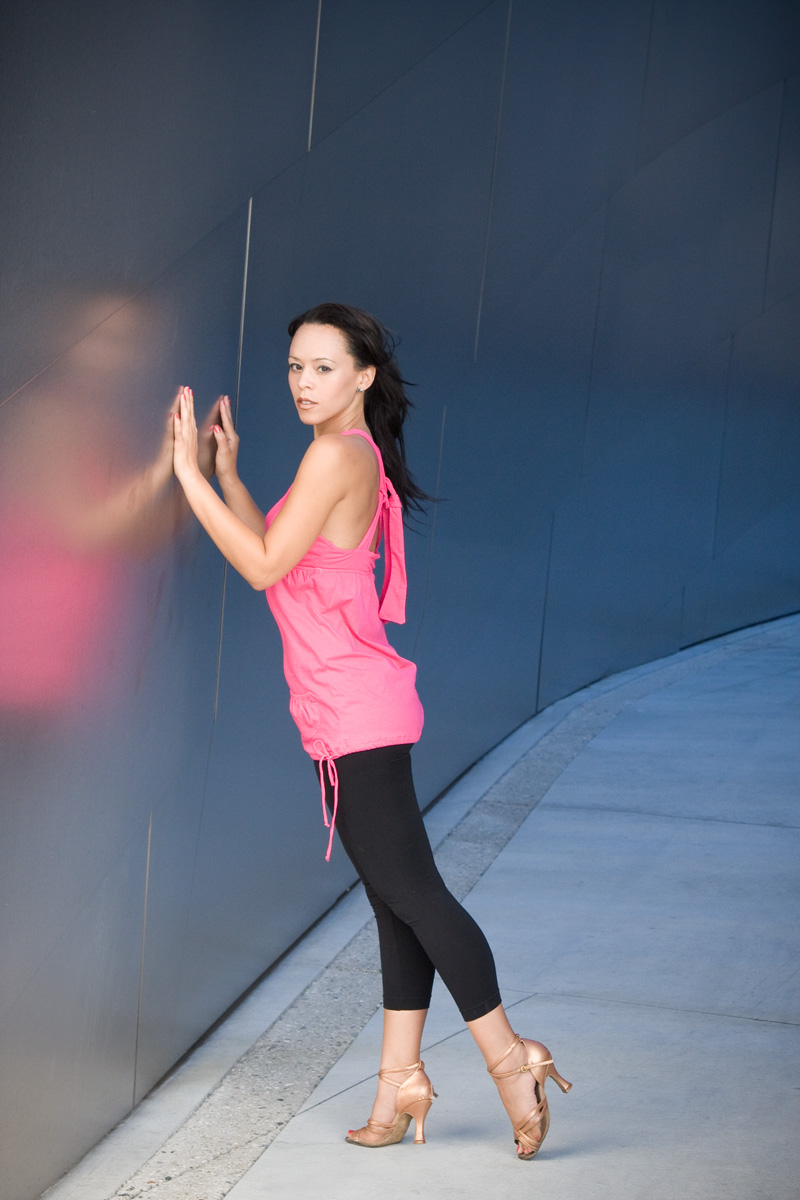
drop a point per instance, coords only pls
(184, 452)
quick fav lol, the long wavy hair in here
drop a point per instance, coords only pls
(386, 404)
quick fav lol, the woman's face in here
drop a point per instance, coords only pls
(325, 379)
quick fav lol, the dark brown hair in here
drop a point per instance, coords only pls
(386, 404)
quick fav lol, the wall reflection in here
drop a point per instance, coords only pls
(86, 488)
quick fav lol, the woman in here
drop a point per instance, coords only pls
(354, 698)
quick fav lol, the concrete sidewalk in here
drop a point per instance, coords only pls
(644, 921)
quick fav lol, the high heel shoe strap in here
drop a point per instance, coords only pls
(384, 1072)
(526, 1066)
(373, 1124)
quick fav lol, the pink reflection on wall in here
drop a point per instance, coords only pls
(56, 610)
(86, 491)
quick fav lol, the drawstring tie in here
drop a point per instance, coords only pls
(327, 761)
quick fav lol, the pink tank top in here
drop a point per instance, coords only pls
(349, 689)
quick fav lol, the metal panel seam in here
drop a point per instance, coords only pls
(236, 420)
(492, 181)
(314, 75)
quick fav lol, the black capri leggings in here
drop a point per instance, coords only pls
(421, 926)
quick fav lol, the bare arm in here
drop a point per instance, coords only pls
(139, 513)
(329, 469)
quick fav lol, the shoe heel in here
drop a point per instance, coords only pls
(562, 1083)
(419, 1110)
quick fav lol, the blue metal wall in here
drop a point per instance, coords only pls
(583, 220)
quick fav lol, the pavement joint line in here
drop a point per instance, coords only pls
(464, 857)
(676, 1008)
(565, 809)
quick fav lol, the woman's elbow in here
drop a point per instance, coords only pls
(260, 571)
(262, 577)
(259, 580)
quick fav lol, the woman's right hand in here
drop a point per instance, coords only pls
(227, 440)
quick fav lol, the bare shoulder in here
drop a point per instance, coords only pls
(336, 452)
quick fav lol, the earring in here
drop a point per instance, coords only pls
(360, 389)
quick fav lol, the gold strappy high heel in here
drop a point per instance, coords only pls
(532, 1130)
(414, 1097)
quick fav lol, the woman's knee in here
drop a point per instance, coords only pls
(422, 901)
